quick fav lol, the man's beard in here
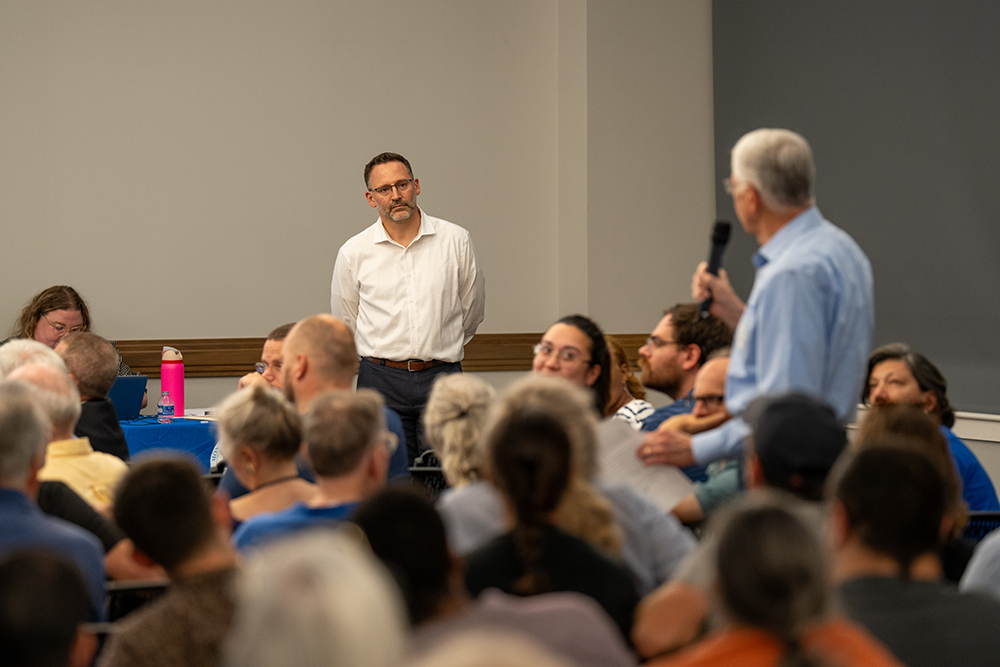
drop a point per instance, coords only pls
(666, 386)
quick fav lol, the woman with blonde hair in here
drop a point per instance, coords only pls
(260, 435)
(627, 396)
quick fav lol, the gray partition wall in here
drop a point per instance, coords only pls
(900, 100)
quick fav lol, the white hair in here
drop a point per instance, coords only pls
(479, 648)
(779, 164)
(24, 432)
(54, 391)
(316, 599)
(23, 351)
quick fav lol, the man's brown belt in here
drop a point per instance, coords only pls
(411, 365)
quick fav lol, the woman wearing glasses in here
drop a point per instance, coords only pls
(53, 313)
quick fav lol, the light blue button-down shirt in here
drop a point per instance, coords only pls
(807, 327)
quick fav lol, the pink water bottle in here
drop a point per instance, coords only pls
(172, 377)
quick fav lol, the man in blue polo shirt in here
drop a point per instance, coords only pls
(348, 445)
(24, 434)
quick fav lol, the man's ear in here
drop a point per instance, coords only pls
(81, 654)
(840, 525)
(221, 516)
(754, 474)
(141, 558)
(692, 358)
(371, 199)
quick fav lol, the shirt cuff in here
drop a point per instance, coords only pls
(723, 442)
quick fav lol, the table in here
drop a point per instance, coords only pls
(194, 437)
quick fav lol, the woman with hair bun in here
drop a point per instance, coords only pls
(530, 456)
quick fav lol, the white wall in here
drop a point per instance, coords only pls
(191, 168)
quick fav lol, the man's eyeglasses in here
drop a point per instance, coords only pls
(61, 328)
(656, 342)
(711, 401)
(566, 355)
(261, 367)
(402, 187)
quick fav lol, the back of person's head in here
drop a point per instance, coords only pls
(18, 353)
(314, 600)
(927, 375)
(54, 392)
(772, 573)
(909, 427)
(584, 512)
(620, 358)
(43, 602)
(57, 297)
(341, 428)
(599, 356)
(893, 500)
(93, 362)
(407, 534)
(796, 440)
(453, 421)
(779, 164)
(24, 432)
(260, 418)
(493, 648)
(280, 333)
(329, 346)
(690, 328)
(530, 455)
(162, 505)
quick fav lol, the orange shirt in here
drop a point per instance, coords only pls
(841, 643)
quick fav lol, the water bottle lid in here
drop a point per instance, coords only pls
(165, 393)
(171, 354)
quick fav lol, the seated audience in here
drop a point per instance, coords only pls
(43, 605)
(164, 507)
(315, 600)
(453, 422)
(796, 441)
(899, 374)
(679, 345)
(653, 543)
(93, 364)
(773, 586)
(531, 462)
(261, 433)
(407, 534)
(318, 355)
(68, 459)
(888, 517)
(347, 445)
(53, 313)
(627, 399)
(267, 371)
(922, 434)
(724, 477)
(24, 432)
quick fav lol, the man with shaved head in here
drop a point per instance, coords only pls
(319, 356)
(68, 459)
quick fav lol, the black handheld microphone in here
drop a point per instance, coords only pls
(720, 237)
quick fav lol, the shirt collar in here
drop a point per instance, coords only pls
(786, 236)
(71, 447)
(427, 226)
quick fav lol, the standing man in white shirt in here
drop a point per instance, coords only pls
(411, 289)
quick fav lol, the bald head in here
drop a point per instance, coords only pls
(55, 393)
(710, 387)
(319, 355)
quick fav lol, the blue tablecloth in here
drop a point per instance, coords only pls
(196, 438)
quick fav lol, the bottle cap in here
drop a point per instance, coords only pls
(171, 354)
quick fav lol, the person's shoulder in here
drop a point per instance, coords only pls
(445, 227)
(364, 238)
(261, 526)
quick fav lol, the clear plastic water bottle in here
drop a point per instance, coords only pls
(165, 409)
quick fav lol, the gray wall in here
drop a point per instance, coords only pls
(899, 100)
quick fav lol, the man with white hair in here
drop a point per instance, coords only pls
(807, 326)
(24, 431)
(68, 459)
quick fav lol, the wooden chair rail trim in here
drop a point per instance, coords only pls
(233, 357)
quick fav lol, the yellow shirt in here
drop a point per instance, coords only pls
(92, 475)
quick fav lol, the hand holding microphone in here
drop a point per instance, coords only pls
(710, 284)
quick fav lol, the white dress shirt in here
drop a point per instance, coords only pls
(421, 302)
